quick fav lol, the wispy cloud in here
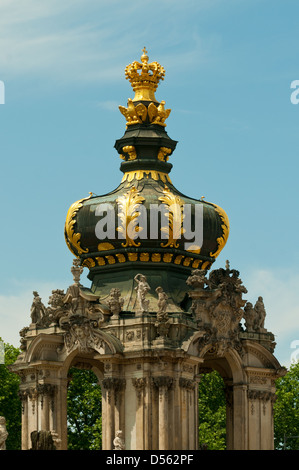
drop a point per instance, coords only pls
(78, 40)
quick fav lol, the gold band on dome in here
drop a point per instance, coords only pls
(140, 174)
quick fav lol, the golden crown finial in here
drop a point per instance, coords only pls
(144, 77)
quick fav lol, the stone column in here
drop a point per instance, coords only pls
(140, 384)
(58, 411)
(260, 420)
(189, 412)
(163, 384)
(114, 413)
(240, 417)
(25, 437)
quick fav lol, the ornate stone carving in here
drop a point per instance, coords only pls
(83, 334)
(76, 270)
(141, 290)
(218, 308)
(3, 433)
(118, 442)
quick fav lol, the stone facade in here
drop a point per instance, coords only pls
(149, 363)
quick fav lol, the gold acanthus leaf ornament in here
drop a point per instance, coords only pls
(128, 213)
(72, 238)
(225, 230)
(174, 208)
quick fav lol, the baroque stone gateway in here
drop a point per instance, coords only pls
(156, 315)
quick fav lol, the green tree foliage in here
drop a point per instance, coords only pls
(286, 410)
(10, 404)
(84, 409)
(212, 412)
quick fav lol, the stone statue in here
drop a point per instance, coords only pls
(3, 433)
(260, 314)
(255, 316)
(142, 289)
(38, 309)
(162, 322)
(162, 300)
(115, 302)
(118, 442)
(249, 316)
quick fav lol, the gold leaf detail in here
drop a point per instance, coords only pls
(100, 260)
(195, 263)
(131, 151)
(206, 265)
(129, 204)
(175, 218)
(132, 256)
(89, 263)
(178, 259)
(225, 230)
(167, 257)
(158, 115)
(110, 259)
(156, 257)
(163, 154)
(72, 238)
(105, 246)
(121, 258)
(144, 256)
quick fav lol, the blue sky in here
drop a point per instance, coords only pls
(229, 67)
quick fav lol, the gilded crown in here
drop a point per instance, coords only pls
(144, 77)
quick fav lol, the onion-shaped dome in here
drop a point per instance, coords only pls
(145, 224)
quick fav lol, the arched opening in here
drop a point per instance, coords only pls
(84, 409)
(212, 410)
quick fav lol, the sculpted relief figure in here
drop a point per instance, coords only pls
(3, 433)
(142, 289)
